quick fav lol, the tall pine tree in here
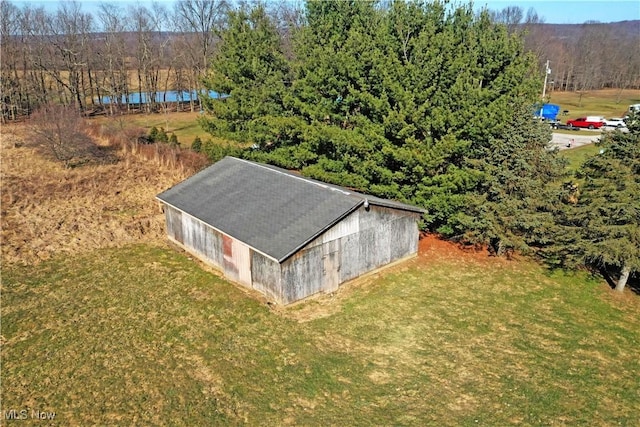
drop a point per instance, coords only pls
(414, 101)
(251, 73)
(603, 228)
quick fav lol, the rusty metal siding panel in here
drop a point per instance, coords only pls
(229, 266)
(265, 273)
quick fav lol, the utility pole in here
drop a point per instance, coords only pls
(547, 71)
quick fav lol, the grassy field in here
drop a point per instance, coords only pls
(183, 124)
(104, 323)
(577, 156)
(608, 103)
(143, 335)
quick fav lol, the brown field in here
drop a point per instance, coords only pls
(48, 209)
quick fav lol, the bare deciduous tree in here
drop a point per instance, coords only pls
(195, 21)
(59, 131)
(112, 56)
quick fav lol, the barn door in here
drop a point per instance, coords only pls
(331, 265)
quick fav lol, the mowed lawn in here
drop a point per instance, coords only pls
(183, 124)
(143, 335)
(605, 102)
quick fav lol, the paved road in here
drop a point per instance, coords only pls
(564, 141)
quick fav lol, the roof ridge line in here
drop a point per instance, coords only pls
(301, 178)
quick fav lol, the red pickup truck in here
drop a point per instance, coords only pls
(587, 122)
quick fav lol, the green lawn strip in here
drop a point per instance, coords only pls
(143, 335)
(184, 124)
(577, 156)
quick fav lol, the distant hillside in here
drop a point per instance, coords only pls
(587, 56)
(625, 29)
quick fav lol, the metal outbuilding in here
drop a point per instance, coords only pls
(287, 236)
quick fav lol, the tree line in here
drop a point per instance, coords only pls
(122, 52)
(72, 57)
(426, 104)
(583, 57)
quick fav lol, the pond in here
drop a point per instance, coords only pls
(162, 96)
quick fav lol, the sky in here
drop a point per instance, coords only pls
(573, 11)
(552, 11)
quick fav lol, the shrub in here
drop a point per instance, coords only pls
(60, 132)
(162, 136)
(216, 151)
(153, 134)
(173, 140)
(197, 144)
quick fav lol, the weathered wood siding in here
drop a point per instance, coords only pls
(228, 254)
(302, 274)
(173, 218)
(386, 235)
(361, 242)
(265, 273)
(202, 240)
(237, 260)
(364, 241)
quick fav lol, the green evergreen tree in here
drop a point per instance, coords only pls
(251, 72)
(414, 101)
(153, 134)
(216, 151)
(512, 210)
(603, 228)
(173, 140)
(162, 136)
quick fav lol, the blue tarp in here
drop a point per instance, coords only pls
(168, 96)
(547, 111)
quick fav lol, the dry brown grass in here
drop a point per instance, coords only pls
(48, 209)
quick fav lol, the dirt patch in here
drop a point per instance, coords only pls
(431, 246)
(48, 209)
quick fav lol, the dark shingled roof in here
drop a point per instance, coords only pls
(270, 209)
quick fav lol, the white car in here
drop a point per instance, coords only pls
(615, 122)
